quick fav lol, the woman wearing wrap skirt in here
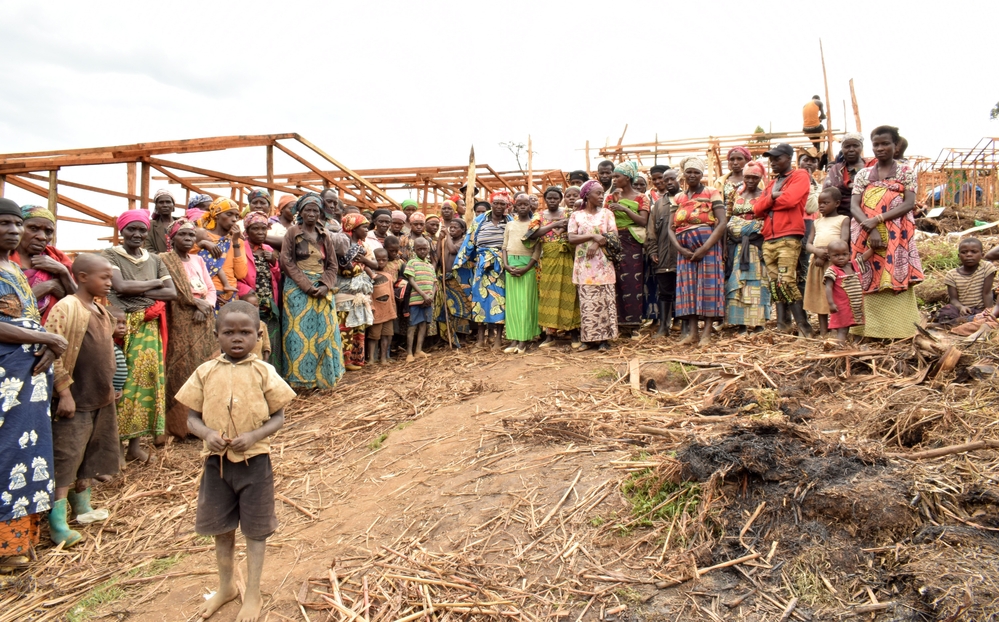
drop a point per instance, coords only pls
(141, 286)
(747, 292)
(631, 213)
(696, 229)
(558, 302)
(26, 355)
(354, 289)
(883, 198)
(591, 230)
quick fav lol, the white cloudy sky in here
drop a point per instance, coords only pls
(415, 83)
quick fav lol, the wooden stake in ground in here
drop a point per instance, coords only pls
(856, 108)
(470, 189)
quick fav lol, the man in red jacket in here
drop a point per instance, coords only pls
(782, 208)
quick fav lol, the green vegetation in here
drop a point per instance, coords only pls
(403, 425)
(597, 521)
(938, 254)
(606, 373)
(654, 498)
(376, 444)
(629, 594)
(110, 591)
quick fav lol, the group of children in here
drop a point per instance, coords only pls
(393, 279)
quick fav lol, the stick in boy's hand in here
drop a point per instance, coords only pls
(217, 442)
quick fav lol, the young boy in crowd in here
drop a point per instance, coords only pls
(420, 275)
(383, 309)
(236, 403)
(969, 286)
(121, 366)
(84, 423)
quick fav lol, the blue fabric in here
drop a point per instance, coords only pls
(418, 314)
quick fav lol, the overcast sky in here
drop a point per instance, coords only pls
(388, 84)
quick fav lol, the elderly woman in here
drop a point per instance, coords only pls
(141, 286)
(221, 244)
(631, 214)
(191, 317)
(263, 274)
(884, 195)
(729, 183)
(354, 288)
(593, 231)
(696, 230)
(843, 172)
(26, 355)
(558, 302)
(480, 251)
(311, 338)
(160, 222)
(747, 290)
(48, 269)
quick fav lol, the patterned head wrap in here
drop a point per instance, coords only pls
(410, 203)
(500, 194)
(587, 188)
(418, 217)
(755, 167)
(693, 162)
(433, 217)
(857, 136)
(399, 215)
(218, 207)
(745, 153)
(629, 169)
(163, 192)
(181, 224)
(36, 211)
(255, 218)
(349, 222)
(133, 215)
(309, 198)
(197, 200)
(258, 194)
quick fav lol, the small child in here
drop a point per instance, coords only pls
(420, 276)
(383, 308)
(969, 286)
(826, 229)
(844, 293)
(236, 403)
(121, 366)
(263, 348)
(85, 423)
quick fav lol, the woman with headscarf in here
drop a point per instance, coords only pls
(311, 337)
(141, 286)
(747, 289)
(593, 231)
(221, 244)
(558, 302)
(49, 270)
(843, 172)
(191, 318)
(631, 214)
(281, 219)
(480, 251)
(263, 274)
(729, 183)
(257, 201)
(381, 220)
(884, 195)
(696, 229)
(197, 207)
(354, 288)
(160, 221)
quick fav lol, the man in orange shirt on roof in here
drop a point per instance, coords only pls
(812, 116)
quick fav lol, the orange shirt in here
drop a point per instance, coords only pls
(810, 114)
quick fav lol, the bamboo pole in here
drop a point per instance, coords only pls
(856, 108)
(144, 193)
(530, 166)
(54, 200)
(130, 172)
(825, 81)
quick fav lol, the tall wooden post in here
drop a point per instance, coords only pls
(856, 108)
(144, 192)
(3, 184)
(530, 166)
(587, 167)
(130, 172)
(54, 199)
(829, 125)
(270, 172)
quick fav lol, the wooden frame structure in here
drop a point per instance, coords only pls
(960, 169)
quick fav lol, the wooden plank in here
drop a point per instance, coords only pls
(501, 180)
(361, 180)
(73, 184)
(248, 181)
(54, 200)
(130, 174)
(530, 166)
(829, 138)
(270, 170)
(856, 108)
(213, 143)
(144, 187)
(326, 178)
(41, 191)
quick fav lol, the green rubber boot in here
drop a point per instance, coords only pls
(79, 502)
(59, 530)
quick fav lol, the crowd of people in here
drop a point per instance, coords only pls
(334, 290)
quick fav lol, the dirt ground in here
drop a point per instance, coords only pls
(476, 484)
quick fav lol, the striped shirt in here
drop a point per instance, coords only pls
(423, 274)
(970, 286)
(121, 370)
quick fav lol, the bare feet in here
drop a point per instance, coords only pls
(686, 341)
(250, 610)
(705, 340)
(220, 598)
(420, 354)
(409, 358)
(136, 452)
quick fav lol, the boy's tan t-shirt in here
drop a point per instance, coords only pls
(234, 398)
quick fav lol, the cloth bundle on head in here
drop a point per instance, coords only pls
(629, 169)
(181, 224)
(285, 200)
(219, 206)
(197, 200)
(450, 204)
(400, 215)
(755, 167)
(410, 203)
(309, 198)
(857, 136)
(163, 192)
(693, 162)
(9, 208)
(129, 216)
(587, 188)
(418, 217)
(37, 211)
(740, 150)
(349, 222)
(254, 218)
(500, 194)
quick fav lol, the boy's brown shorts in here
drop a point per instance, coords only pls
(243, 496)
(85, 445)
(377, 331)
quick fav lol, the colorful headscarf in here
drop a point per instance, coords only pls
(400, 215)
(757, 167)
(410, 203)
(36, 211)
(500, 194)
(258, 194)
(219, 206)
(587, 188)
(285, 200)
(418, 217)
(857, 136)
(309, 198)
(163, 192)
(349, 222)
(197, 200)
(194, 214)
(181, 224)
(432, 217)
(742, 150)
(629, 169)
(256, 218)
(133, 215)
(693, 162)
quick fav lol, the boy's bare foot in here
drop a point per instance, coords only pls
(250, 610)
(686, 341)
(136, 452)
(220, 598)
(705, 341)
(409, 358)
(420, 354)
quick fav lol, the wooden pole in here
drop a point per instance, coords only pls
(530, 166)
(144, 192)
(825, 81)
(587, 167)
(470, 188)
(270, 171)
(54, 199)
(131, 183)
(856, 108)
(3, 184)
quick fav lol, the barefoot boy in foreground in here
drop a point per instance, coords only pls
(236, 403)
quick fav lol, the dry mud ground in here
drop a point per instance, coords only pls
(543, 486)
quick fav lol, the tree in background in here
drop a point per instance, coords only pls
(995, 112)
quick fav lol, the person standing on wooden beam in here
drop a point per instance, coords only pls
(160, 222)
(812, 115)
